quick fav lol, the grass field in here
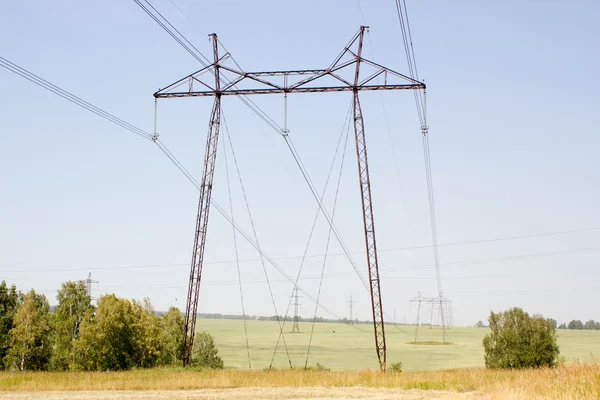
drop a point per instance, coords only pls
(346, 347)
(432, 371)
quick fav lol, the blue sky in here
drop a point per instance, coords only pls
(512, 109)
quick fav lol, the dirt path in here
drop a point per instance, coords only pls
(320, 393)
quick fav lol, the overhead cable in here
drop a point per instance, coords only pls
(12, 67)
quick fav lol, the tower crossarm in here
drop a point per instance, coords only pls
(278, 82)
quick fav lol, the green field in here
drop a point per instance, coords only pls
(339, 346)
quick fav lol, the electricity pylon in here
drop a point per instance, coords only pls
(227, 79)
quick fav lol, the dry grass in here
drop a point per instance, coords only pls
(575, 381)
(282, 393)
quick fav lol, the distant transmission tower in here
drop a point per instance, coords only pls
(418, 317)
(440, 310)
(296, 328)
(88, 284)
(350, 303)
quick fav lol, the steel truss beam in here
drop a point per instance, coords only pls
(229, 80)
(274, 82)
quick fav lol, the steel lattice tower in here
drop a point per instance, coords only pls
(295, 327)
(228, 80)
(351, 306)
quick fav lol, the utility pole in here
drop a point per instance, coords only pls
(350, 318)
(296, 328)
(343, 75)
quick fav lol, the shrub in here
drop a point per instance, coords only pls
(205, 354)
(396, 367)
(518, 340)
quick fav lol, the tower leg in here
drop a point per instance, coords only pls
(208, 172)
(369, 227)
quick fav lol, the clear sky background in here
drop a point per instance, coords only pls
(513, 96)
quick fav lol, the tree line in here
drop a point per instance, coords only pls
(573, 324)
(577, 324)
(282, 318)
(116, 334)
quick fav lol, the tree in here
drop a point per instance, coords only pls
(173, 324)
(520, 341)
(148, 337)
(73, 305)
(105, 337)
(553, 322)
(119, 335)
(480, 324)
(205, 353)
(591, 324)
(30, 346)
(575, 324)
(562, 326)
(9, 300)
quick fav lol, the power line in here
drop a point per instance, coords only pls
(185, 16)
(421, 103)
(235, 246)
(30, 76)
(450, 244)
(164, 23)
(345, 129)
(262, 259)
(555, 289)
(337, 190)
(88, 106)
(311, 186)
(179, 38)
(270, 122)
(409, 268)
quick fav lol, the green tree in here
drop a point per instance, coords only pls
(205, 354)
(518, 340)
(591, 324)
(119, 335)
(9, 299)
(30, 346)
(104, 341)
(575, 324)
(562, 326)
(173, 324)
(148, 336)
(73, 305)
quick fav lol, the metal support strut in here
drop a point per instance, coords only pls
(208, 173)
(369, 224)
